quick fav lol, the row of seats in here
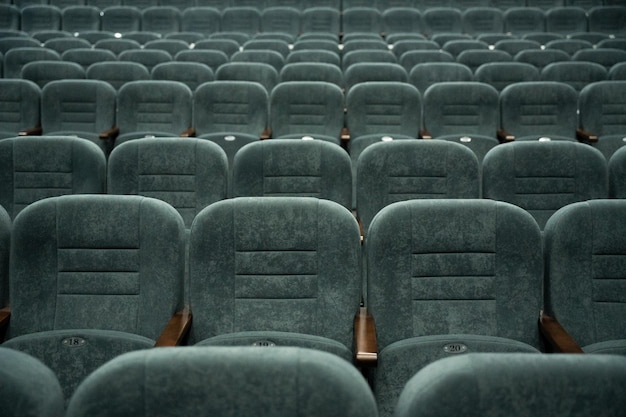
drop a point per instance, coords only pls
(94, 276)
(303, 4)
(190, 174)
(204, 381)
(234, 113)
(250, 20)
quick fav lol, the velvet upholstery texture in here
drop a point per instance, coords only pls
(305, 168)
(242, 381)
(20, 102)
(307, 108)
(602, 110)
(517, 384)
(585, 250)
(5, 245)
(275, 264)
(32, 168)
(617, 174)
(153, 108)
(388, 172)
(447, 276)
(189, 174)
(16, 58)
(532, 110)
(28, 388)
(102, 269)
(542, 177)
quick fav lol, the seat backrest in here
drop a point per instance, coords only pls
(33, 168)
(312, 71)
(617, 174)
(155, 107)
(88, 56)
(477, 20)
(321, 19)
(29, 387)
(43, 72)
(542, 57)
(542, 177)
(474, 58)
(362, 19)
(297, 268)
(204, 20)
(10, 17)
(367, 72)
(80, 18)
(520, 20)
(66, 43)
(161, 19)
(388, 172)
(402, 19)
(608, 19)
(131, 247)
(442, 20)
(36, 18)
(193, 174)
(515, 45)
(117, 46)
(501, 74)
(5, 246)
(193, 74)
(517, 383)
(454, 267)
(266, 56)
(211, 58)
(309, 168)
(410, 59)
(532, 110)
(566, 20)
(121, 19)
(578, 74)
(117, 73)
(241, 19)
(211, 381)
(72, 107)
(585, 247)
(16, 58)
(281, 20)
(149, 58)
(306, 108)
(424, 75)
(604, 56)
(571, 46)
(258, 72)
(19, 106)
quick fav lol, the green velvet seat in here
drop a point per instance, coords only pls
(20, 101)
(29, 388)
(117, 73)
(16, 58)
(93, 276)
(5, 247)
(192, 74)
(445, 277)
(279, 271)
(575, 73)
(617, 174)
(517, 384)
(220, 382)
(585, 250)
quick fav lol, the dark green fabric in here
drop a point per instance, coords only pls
(566, 20)
(28, 387)
(149, 58)
(117, 73)
(517, 385)
(5, 246)
(603, 56)
(161, 19)
(35, 167)
(193, 74)
(241, 19)
(575, 73)
(306, 108)
(307, 168)
(367, 56)
(19, 106)
(522, 20)
(585, 250)
(413, 169)
(87, 56)
(158, 108)
(542, 177)
(212, 58)
(482, 19)
(16, 58)
(454, 266)
(361, 19)
(365, 72)
(424, 75)
(410, 59)
(502, 74)
(96, 262)
(266, 56)
(220, 382)
(617, 173)
(442, 20)
(72, 363)
(474, 58)
(289, 264)
(402, 19)
(43, 72)
(542, 57)
(121, 19)
(312, 71)
(455, 47)
(78, 18)
(530, 110)
(259, 72)
(398, 362)
(203, 20)
(189, 174)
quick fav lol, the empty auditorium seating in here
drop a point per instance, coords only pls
(388, 172)
(297, 280)
(584, 247)
(20, 107)
(153, 108)
(189, 174)
(312, 71)
(578, 74)
(519, 384)
(29, 387)
(304, 168)
(16, 58)
(602, 108)
(542, 177)
(192, 74)
(446, 277)
(118, 73)
(87, 56)
(502, 74)
(43, 72)
(93, 277)
(258, 72)
(213, 382)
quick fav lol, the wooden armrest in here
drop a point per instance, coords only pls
(267, 133)
(5, 317)
(345, 134)
(176, 329)
(189, 133)
(425, 134)
(585, 136)
(33, 131)
(556, 336)
(504, 136)
(365, 338)
(109, 134)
